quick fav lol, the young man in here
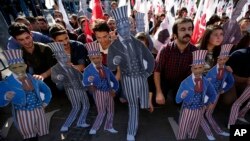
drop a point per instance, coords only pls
(173, 60)
(37, 36)
(130, 55)
(63, 73)
(196, 92)
(222, 81)
(101, 31)
(75, 50)
(23, 92)
(103, 84)
(37, 56)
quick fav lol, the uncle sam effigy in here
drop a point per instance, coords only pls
(136, 64)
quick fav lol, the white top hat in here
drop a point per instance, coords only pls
(57, 48)
(93, 48)
(199, 57)
(225, 49)
(120, 14)
(13, 56)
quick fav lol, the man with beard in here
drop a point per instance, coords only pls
(173, 60)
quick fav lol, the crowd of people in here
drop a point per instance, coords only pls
(120, 59)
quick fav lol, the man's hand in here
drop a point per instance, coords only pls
(211, 106)
(228, 68)
(38, 77)
(160, 99)
(151, 106)
(113, 36)
(9, 95)
(44, 105)
(112, 93)
(248, 81)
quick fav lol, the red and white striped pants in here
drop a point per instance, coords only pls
(31, 123)
(189, 123)
(237, 104)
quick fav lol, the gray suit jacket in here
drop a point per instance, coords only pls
(140, 55)
(71, 79)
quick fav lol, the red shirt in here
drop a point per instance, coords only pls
(173, 65)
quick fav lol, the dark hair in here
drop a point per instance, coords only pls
(184, 9)
(56, 30)
(142, 37)
(244, 42)
(181, 21)
(57, 11)
(213, 19)
(203, 42)
(242, 19)
(22, 20)
(100, 25)
(17, 29)
(41, 18)
(60, 21)
(32, 20)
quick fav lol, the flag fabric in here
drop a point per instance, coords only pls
(49, 4)
(205, 10)
(238, 9)
(82, 8)
(4, 33)
(88, 32)
(65, 16)
(97, 12)
(122, 3)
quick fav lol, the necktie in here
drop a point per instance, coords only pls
(101, 72)
(26, 83)
(198, 85)
(127, 43)
(220, 73)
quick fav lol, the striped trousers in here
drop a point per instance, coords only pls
(237, 104)
(78, 98)
(207, 119)
(104, 101)
(31, 123)
(189, 123)
(136, 92)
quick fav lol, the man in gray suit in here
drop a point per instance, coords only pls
(136, 64)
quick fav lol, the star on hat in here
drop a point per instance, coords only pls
(13, 56)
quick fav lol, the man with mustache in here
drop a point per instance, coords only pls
(173, 60)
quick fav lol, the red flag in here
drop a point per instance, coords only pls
(199, 29)
(97, 12)
(88, 32)
(132, 3)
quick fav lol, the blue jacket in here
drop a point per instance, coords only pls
(228, 78)
(90, 70)
(11, 84)
(208, 92)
